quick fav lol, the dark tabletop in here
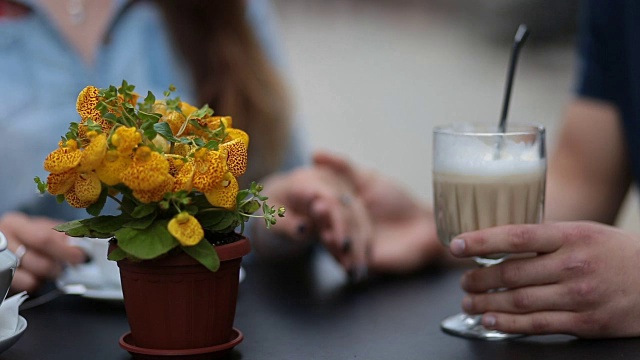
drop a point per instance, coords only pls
(307, 310)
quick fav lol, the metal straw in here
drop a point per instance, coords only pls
(518, 41)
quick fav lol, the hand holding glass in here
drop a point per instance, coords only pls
(484, 178)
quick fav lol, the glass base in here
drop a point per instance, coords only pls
(467, 326)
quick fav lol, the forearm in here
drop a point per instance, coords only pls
(588, 175)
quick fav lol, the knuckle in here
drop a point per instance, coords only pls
(540, 324)
(578, 264)
(584, 291)
(508, 275)
(521, 300)
(519, 236)
(586, 324)
(578, 232)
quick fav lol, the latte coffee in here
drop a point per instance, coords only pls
(483, 179)
(471, 202)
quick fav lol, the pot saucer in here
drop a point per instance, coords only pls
(211, 352)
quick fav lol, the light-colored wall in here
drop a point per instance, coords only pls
(371, 81)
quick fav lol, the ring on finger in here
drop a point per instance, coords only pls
(345, 199)
(20, 252)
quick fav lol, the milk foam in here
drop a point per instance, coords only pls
(471, 156)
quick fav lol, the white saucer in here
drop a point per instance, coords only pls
(85, 280)
(7, 342)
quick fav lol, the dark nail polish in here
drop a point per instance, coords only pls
(346, 245)
(358, 274)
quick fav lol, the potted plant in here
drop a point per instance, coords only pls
(172, 169)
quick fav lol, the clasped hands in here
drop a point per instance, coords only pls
(368, 222)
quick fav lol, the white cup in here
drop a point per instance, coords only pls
(96, 249)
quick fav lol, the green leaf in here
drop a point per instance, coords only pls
(154, 117)
(95, 208)
(205, 253)
(71, 225)
(117, 254)
(42, 186)
(148, 243)
(107, 223)
(251, 207)
(216, 219)
(164, 130)
(143, 210)
(148, 102)
(142, 223)
(202, 112)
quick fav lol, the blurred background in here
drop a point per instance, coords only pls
(371, 78)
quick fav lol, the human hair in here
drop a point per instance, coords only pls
(232, 74)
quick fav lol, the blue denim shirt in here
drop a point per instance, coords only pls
(41, 76)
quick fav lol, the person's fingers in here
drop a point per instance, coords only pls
(523, 300)
(24, 281)
(40, 266)
(294, 226)
(508, 239)
(538, 323)
(340, 166)
(511, 274)
(330, 225)
(334, 162)
(38, 234)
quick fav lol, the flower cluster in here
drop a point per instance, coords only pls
(171, 167)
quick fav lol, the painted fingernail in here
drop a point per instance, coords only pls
(457, 246)
(467, 304)
(488, 321)
(302, 228)
(358, 274)
(346, 245)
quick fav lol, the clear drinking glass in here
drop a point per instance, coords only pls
(484, 178)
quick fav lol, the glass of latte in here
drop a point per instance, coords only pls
(484, 178)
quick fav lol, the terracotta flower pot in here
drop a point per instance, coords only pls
(175, 303)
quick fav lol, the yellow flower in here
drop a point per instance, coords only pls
(184, 177)
(233, 134)
(125, 139)
(86, 104)
(182, 149)
(187, 109)
(72, 198)
(155, 194)
(85, 190)
(93, 154)
(212, 123)
(237, 153)
(112, 166)
(148, 170)
(224, 194)
(60, 183)
(175, 121)
(209, 168)
(65, 158)
(87, 187)
(175, 164)
(159, 107)
(186, 229)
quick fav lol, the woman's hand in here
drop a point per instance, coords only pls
(44, 251)
(320, 207)
(584, 280)
(404, 237)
